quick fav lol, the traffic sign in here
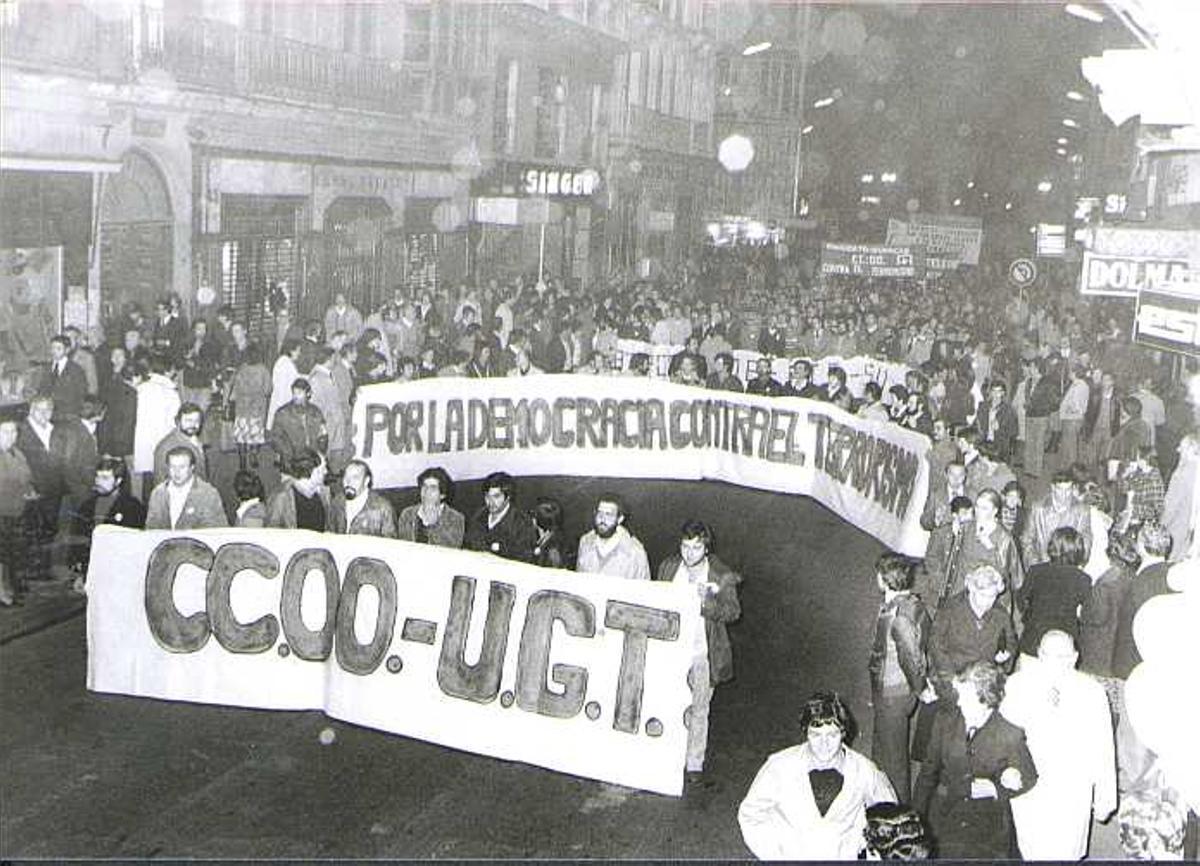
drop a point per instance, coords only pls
(1022, 272)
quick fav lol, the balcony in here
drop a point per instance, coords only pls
(213, 54)
(66, 38)
(50, 36)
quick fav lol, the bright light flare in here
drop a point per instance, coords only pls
(1070, 123)
(957, 202)
(1061, 151)
(756, 48)
(824, 103)
(888, 177)
(868, 178)
(1062, 141)
(1045, 186)
(1075, 96)
(736, 153)
(807, 130)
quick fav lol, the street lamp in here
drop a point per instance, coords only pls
(798, 168)
(757, 48)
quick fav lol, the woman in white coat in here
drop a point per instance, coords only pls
(158, 402)
(283, 374)
(809, 801)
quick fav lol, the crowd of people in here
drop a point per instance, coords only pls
(1016, 396)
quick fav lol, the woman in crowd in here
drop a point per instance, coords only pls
(977, 762)
(809, 802)
(1054, 591)
(550, 550)
(432, 520)
(1098, 616)
(249, 397)
(115, 433)
(986, 542)
(16, 491)
(283, 374)
(251, 512)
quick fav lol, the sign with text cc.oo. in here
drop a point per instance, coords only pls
(584, 674)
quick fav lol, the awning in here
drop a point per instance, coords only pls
(59, 163)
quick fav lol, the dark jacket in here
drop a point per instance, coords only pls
(127, 511)
(901, 634)
(1006, 428)
(513, 537)
(297, 427)
(1098, 620)
(115, 433)
(967, 828)
(717, 609)
(376, 518)
(1048, 600)
(808, 392)
(68, 389)
(1148, 583)
(281, 507)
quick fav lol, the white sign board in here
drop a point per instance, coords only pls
(1124, 276)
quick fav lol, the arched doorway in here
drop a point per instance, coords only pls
(136, 237)
(355, 230)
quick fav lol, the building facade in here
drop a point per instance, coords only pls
(239, 151)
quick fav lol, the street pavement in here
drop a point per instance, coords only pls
(92, 775)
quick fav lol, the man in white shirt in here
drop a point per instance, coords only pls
(1154, 412)
(609, 548)
(184, 501)
(1071, 412)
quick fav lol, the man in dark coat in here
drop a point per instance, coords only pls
(997, 422)
(978, 761)
(499, 527)
(65, 381)
(108, 503)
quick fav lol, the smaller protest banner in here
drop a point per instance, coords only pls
(945, 238)
(581, 673)
(871, 260)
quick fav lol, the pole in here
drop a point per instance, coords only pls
(797, 169)
(542, 254)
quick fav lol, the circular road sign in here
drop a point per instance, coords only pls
(1022, 272)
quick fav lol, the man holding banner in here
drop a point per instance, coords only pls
(499, 527)
(716, 584)
(610, 548)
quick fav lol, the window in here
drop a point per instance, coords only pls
(667, 90)
(653, 78)
(359, 28)
(551, 94)
(418, 33)
(635, 79)
(504, 109)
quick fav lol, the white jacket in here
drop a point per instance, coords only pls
(780, 819)
(157, 404)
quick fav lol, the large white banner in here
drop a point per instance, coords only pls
(579, 673)
(948, 240)
(873, 474)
